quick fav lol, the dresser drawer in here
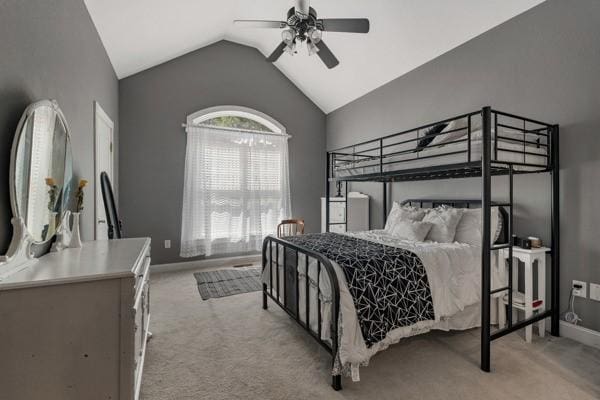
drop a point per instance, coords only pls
(337, 228)
(140, 306)
(142, 272)
(141, 325)
(337, 212)
(138, 330)
(141, 313)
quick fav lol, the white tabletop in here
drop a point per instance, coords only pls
(533, 250)
(101, 259)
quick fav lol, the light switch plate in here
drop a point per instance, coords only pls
(579, 292)
(595, 291)
(167, 244)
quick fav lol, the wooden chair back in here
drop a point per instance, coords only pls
(290, 227)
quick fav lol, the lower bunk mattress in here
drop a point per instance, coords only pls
(420, 286)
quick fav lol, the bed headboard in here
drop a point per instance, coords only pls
(462, 203)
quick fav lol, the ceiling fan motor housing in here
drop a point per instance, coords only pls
(300, 25)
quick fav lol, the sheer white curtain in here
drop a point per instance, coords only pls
(236, 190)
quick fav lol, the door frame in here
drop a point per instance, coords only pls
(99, 113)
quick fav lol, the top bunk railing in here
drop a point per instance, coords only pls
(447, 148)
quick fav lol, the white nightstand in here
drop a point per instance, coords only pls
(525, 301)
(357, 213)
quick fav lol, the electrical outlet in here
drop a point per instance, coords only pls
(579, 292)
(167, 244)
(595, 291)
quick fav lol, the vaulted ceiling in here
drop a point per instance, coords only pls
(139, 34)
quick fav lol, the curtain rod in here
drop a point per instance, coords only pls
(225, 128)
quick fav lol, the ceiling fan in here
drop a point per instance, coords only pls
(302, 25)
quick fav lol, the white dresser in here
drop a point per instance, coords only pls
(75, 324)
(354, 219)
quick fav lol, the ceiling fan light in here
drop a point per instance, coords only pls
(315, 35)
(290, 48)
(288, 35)
(312, 48)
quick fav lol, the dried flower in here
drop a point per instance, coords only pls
(79, 195)
(50, 182)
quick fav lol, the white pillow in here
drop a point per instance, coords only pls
(459, 124)
(444, 220)
(508, 133)
(403, 213)
(469, 228)
(415, 231)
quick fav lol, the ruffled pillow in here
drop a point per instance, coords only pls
(415, 231)
(469, 228)
(444, 220)
(403, 213)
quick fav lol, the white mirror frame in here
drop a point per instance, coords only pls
(20, 254)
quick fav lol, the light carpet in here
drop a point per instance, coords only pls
(229, 348)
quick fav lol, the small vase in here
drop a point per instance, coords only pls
(52, 224)
(63, 233)
(75, 236)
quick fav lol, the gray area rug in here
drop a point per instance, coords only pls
(227, 282)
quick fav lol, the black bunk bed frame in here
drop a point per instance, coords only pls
(380, 153)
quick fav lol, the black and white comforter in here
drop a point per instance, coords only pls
(388, 284)
(452, 273)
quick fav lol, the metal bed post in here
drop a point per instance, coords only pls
(297, 303)
(495, 136)
(554, 321)
(277, 271)
(486, 194)
(264, 285)
(384, 183)
(469, 138)
(385, 212)
(285, 304)
(510, 244)
(327, 193)
(336, 380)
(346, 205)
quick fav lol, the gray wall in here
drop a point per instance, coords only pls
(50, 49)
(155, 102)
(545, 64)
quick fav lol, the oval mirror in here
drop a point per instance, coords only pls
(41, 170)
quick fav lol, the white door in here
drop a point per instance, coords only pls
(103, 127)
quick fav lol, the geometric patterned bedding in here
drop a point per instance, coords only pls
(388, 284)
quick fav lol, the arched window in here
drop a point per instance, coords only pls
(236, 184)
(236, 117)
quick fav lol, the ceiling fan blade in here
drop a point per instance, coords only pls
(353, 25)
(255, 23)
(326, 55)
(277, 52)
